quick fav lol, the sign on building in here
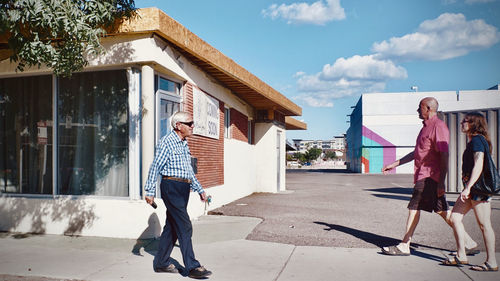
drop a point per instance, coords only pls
(205, 115)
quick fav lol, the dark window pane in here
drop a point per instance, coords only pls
(26, 135)
(93, 134)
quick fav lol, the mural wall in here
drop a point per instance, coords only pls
(376, 152)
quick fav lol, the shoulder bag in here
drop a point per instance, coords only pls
(489, 181)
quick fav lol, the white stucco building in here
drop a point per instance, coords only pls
(75, 152)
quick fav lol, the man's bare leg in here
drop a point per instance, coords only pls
(411, 225)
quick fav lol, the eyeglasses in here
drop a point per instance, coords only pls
(189, 124)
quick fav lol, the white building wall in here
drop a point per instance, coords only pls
(394, 117)
(240, 166)
(85, 216)
(267, 157)
(247, 168)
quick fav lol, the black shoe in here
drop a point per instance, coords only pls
(169, 269)
(199, 272)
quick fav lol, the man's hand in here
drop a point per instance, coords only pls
(150, 200)
(407, 158)
(387, 168)
(203, 196)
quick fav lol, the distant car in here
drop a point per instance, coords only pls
(307, 164)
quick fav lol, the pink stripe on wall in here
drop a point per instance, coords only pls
(389, 149)
(375, 137)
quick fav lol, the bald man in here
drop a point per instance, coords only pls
(431, 166)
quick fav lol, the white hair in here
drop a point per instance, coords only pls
(179, 116)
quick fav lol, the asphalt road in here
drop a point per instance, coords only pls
(338, 209)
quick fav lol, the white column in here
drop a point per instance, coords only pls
(134, 103)
(493, 133)
(148, 119)
(453, 169)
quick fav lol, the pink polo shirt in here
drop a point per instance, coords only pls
(431, 141)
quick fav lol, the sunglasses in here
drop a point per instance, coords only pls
(189, 124)
(464, 121)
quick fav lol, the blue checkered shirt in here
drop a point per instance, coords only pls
(173, 159)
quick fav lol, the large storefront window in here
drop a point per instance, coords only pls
(93, 134)
(26, 135)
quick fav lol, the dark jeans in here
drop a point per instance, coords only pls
(175, 195)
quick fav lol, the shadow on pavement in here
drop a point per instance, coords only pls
(426, 255)
(377, 240)
(150, 246)
(337, 171)
(396, 197)
(382, 241)
(398, 190)
(393, 190)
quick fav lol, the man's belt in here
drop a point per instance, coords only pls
(176, 179)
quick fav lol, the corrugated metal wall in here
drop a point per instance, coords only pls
(458, 142)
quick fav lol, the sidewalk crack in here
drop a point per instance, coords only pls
(460, 268)
(286, 263)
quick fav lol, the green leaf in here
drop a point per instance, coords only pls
(58, 33)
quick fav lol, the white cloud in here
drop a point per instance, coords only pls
(346, 77)
(318, 12)
(471, 2)
(448, 36)
(315, 100)
(362, 68)
(299, 73)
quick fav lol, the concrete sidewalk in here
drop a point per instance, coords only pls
(220, 245)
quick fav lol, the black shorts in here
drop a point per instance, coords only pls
(425, 197)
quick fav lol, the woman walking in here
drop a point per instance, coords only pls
(474, 126)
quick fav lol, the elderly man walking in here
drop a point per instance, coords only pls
(431, 166)
(173, 162)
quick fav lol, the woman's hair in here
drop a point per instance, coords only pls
(477, 125)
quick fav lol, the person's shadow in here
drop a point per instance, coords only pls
(381, 241)
(149, 239)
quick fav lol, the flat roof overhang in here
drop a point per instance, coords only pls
(241, 82)
(294, 124)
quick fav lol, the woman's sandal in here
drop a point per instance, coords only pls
(454, 262)
(484, 267)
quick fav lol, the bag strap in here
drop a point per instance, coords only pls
(485, 145)
(490, 159)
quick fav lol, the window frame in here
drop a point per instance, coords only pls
(227, 122)
(134, 98)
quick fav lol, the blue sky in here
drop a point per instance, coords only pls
(323, 54)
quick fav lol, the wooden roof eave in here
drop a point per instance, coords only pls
(240, 81)
(294, 124)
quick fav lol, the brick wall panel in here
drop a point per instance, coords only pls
(239, 125)
(208, 151)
